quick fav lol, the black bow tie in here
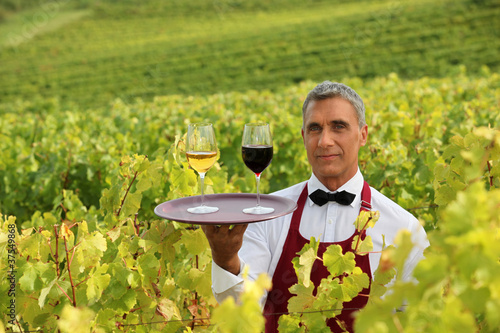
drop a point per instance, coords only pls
(320, 197)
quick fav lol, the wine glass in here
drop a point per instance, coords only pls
(201, 153)
(257, 153)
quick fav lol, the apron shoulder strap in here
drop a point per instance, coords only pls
(297, 214)
(366, 197)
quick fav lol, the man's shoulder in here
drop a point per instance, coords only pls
(390, 207)
(393, 218)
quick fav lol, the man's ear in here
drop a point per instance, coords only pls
(364, 135)
(303, 139)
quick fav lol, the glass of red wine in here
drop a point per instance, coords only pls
(257, 153)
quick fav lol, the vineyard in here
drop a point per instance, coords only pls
(95, 101)
(90, 255)
(87, 55)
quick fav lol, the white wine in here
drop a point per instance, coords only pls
(201, 161)
(201, 153)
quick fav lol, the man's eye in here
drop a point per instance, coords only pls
(339, 126)
(314, 128)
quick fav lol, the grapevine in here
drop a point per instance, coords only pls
(90, 255)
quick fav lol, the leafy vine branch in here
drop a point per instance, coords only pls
(128, 189)
(489, 171)
(56, 254)
(362, 232)
(126, 193)
(68, 263)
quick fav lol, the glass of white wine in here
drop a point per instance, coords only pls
(201, 153)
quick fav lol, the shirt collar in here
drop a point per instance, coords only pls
(353, 185)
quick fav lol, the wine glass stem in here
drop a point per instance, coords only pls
(202, 182)
(257, 178)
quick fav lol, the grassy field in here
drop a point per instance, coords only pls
(91, 53)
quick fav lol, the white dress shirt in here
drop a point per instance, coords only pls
(263, 241)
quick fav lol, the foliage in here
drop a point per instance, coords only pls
(113, 272)
(312, 305)
(45, 148)
(142, 49)
(81, 186)
(458, 280)
(246, 317)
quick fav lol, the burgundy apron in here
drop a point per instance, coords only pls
(284, 276)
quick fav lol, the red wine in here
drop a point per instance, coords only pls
(257, 157)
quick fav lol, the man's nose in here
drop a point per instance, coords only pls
(326, 139)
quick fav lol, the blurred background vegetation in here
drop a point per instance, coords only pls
(87, 53)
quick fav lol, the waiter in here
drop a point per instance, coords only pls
(333, 131)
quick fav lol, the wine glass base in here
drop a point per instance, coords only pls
(258, 210)
(203, 210)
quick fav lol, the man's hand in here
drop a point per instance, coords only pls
(225, 242)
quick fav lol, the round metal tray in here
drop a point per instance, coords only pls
(230, 211)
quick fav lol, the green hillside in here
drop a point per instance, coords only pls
(92, 52)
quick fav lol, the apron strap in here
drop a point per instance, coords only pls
(366, 197)
(297, 214)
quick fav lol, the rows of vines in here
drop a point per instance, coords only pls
(82, 250)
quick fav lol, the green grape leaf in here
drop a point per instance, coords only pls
(364, 246)
(184, 180)
(290, 324)
(384, 274)
(195, 241)
(97, 282)
(166, 246)
(366, 219)
(354, 283)
(106, 318)
(444, 195)
(43, 294)
(124, 303)
(30, 310)
(90, 249)
(455, 318)
(303, 298)
(305, 260)
(329, 296)
(315, 322)
(201, 280)
(35, 246)
(168, 309)
(492, 312)
(110, 198)
(114, 234)
(476, 299)
(75, 320)
(404, 245)
(336, 262)
(143, 184)
(28, 278)
(148, 266)
(131, 204)
(116, 289)
(140, 163)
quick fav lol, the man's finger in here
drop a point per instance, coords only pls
(210, 229)
(239, 228)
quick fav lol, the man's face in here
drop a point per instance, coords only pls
(332, 138)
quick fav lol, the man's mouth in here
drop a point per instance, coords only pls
(327, 156)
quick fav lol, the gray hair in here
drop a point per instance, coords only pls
(328, 89)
